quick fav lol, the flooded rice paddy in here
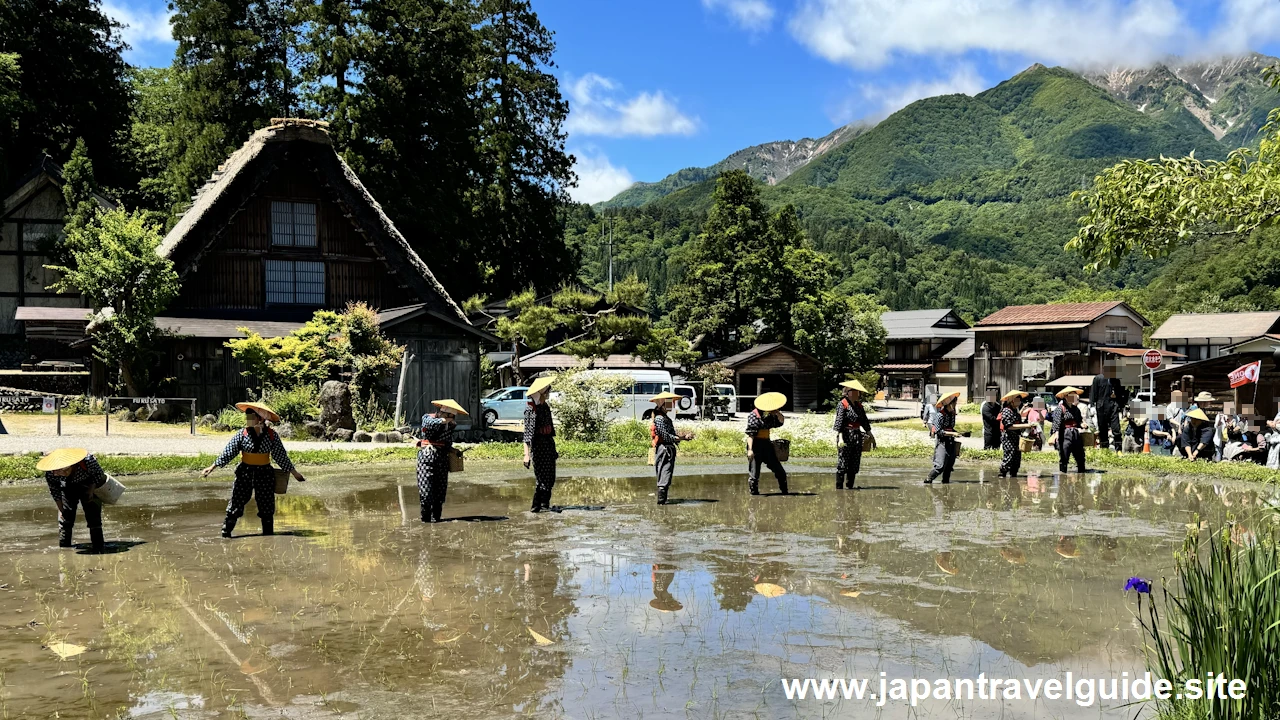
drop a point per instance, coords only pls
(617, 609)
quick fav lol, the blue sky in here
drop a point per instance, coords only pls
(657, 85)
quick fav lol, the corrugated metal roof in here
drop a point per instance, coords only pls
(52, 314)
(963, 351)
(1051, 314)
(559, 361)
(904, 366)
(215, 328)
(1080, 381)
(1032, 326)
(1217, 325)
(910, 324)
(749, 354)
(1135, 352)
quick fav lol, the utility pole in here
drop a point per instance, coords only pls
(610, 246)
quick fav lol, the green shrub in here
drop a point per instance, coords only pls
(584, 401)
(628, 431)
(231, 417)
(1221, 615)
(296, 405)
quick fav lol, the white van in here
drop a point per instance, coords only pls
(644, 385)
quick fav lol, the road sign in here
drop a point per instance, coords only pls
(1152, 359)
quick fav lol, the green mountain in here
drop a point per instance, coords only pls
(1227, 96)
(964, 201)
(769, 163)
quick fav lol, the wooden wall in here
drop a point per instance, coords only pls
(23, 278)
(802, 374)
(447, 366)
(233, 276)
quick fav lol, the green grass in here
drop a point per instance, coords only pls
(624, 445)
(1220, 614)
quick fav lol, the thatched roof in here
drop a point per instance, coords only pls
(235, 181)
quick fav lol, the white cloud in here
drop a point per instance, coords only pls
(595, 109)
(1245, 24)
(876, 102)
(598, 179)
(140, 26)
(871, 33)
(752, 15)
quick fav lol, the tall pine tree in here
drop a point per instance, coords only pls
(522, 145)
(234, 73)
(413, 128)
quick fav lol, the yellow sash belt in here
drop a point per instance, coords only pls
(763, 434)
(251, 458)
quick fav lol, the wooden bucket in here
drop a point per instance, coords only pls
(653, 455)
(1026, 444)
(282, 481)
(1088, 439)
(455, 461)
(109, 492)
(782, 448)
(867, 443)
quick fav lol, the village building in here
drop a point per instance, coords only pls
(924, 347)
(1038, 348)
(32, 225)
(1202, 336)
(774, 367)
(285, 228)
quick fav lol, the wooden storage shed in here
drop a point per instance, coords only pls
(775, 367)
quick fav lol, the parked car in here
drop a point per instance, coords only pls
(724, 404)
(504, 404)
(644, 385)
(687, 406)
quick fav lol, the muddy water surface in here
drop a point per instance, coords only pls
(617, 608)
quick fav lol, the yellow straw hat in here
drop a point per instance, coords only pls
(942, 401)
(1013, 394)
(771, 401)
(1067, 391)
(663, 396)
(1198, 414)
(61, 458)
(450, 404)
(853, 385)
(261, 408)
(538, 385)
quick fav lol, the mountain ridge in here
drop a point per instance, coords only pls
(1227, 97)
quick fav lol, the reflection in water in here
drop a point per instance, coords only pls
(689, 610)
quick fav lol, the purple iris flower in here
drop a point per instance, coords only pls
(1137, 583)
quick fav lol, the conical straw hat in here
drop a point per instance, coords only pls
(450, 405)
(61, 458)
(260, 408)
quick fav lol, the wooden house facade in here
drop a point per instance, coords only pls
(925, 347)
(33, 217)
(1028, 347)
(285, 228)
(775, 367)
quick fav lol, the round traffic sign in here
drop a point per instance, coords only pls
(1152, 359)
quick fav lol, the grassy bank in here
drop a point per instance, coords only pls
(715, 444)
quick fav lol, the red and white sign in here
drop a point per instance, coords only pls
(1152, 359)
(1245, 375)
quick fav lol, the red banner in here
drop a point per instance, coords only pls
(1245, 375)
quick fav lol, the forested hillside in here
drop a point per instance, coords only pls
(953, 201)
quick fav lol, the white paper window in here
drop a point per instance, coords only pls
(293, 224)
(291, 282)
(1117, 335)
